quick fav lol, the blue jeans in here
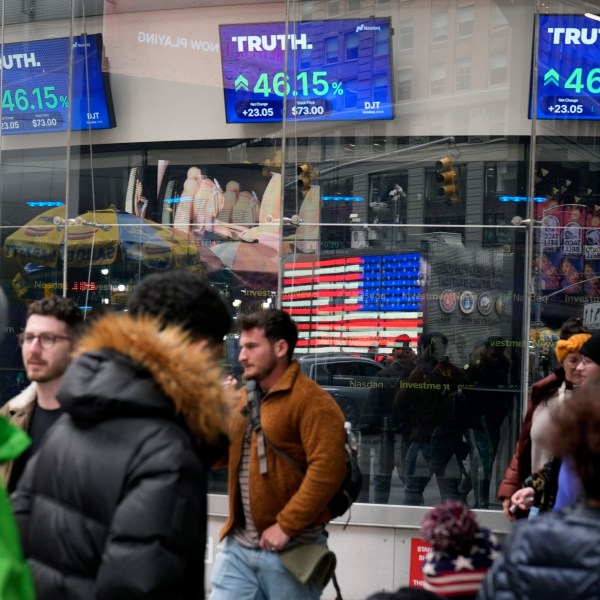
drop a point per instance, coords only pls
(437, 453)
(255, 574)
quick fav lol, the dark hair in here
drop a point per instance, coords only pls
(575, 433)
(572, 326)
(405, 593)
(278, 325)
(63, 309)
(183, 298)
(432, 340)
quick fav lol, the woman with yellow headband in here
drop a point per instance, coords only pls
(531, 454)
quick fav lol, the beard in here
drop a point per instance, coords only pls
(261, 371)
(46, 371)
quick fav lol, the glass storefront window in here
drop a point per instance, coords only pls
(453, 219)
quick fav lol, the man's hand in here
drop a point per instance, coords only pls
(274, 538)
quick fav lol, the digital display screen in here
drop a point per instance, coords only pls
(336, 71)
(35, 86)
(568, 80)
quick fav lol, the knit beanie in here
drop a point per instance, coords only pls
(461, 552)
(591, 348)
(573, 344)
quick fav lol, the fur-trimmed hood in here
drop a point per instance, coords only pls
(130, 367)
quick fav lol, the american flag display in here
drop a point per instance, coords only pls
(353, 303)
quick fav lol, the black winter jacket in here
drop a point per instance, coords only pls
(553, 557)
(113, 506)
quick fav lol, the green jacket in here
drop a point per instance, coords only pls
(15, 579)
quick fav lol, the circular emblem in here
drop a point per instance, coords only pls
(503, 304)
(448, 301)
(592, 237)
(485, 304)
(467, 302)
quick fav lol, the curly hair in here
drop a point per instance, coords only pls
(575, 433)
(63, 309)
(182, 298)
(278, 325)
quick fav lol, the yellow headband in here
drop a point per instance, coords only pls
(573, 344)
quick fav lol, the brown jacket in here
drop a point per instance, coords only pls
(18, 411)
(303, 421)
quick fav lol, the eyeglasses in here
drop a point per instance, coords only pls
(46, 340)
(584, 361)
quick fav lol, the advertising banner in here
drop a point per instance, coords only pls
(568, 74)
(335, 70)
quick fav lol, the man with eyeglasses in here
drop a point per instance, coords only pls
(46, 343)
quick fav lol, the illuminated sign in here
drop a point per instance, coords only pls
(350, 303)
(36, 96)
(336, 70)
(568, 79)
(83, 286)
(342, 198)
(521, 198)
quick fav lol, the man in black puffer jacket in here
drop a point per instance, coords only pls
(556, 556)
(113, 506)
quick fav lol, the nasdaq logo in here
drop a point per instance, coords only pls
(363, 27)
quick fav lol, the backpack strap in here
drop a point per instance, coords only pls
(262, 440)
(284, 456)
(253, 396)
(336, 585)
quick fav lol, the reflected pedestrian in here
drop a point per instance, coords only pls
(431, 396)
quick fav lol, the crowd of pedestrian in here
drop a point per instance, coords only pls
(106, 456)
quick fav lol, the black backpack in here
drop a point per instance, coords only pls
(350, 487)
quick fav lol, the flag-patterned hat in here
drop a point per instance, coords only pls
(461, 552)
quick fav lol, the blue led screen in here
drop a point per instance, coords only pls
(336, 70)
(568, 81)
(35, 86)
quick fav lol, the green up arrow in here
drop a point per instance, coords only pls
(241, 83)
(551, 76)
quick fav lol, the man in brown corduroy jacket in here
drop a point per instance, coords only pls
(272, 505)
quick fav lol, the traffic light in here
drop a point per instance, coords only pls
(306, 176)
(447, 178)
